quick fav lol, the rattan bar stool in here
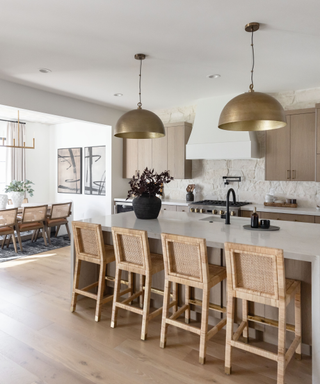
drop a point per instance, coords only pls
(89, 246)
(257, 274)
(133, 255)
(186, 262)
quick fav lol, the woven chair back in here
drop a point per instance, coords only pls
(255, 271)
(88, 241)
(185, 258)
(33, 214)
(60, 211)
(8, 217)
(131, 248)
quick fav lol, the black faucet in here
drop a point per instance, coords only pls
(234, 202)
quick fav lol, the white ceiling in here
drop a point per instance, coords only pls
(89, 46)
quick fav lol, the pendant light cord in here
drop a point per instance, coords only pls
(252, 48)
(140, 104)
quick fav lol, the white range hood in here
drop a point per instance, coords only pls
(207, 141)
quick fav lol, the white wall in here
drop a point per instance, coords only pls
(38, 161)
(81, 134)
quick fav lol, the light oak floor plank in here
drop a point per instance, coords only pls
(41, 342)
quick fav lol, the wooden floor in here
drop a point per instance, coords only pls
(41, 342)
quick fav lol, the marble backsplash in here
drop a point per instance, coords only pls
(207, 174)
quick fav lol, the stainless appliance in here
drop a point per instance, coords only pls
(121, 206)
(217, 207)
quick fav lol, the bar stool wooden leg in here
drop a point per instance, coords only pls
(281, 344)
(165, 312)
(204, 325)
(146, 308)
(297, 316)
(75, 285)
(100, 293)
(230, 317)
(115, 298)
(130, 285)
(141, 297)
(245, 318)
(186, 301)
(175, 296)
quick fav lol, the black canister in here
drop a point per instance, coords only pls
(189, 196)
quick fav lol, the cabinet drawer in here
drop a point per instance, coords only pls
(246, 213)
(182, 208)
(286, 217)
(168, 207)
(317, 219)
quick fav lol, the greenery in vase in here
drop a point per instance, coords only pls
(148, 182)
(20, 186)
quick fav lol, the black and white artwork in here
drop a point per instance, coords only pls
(95, 171)
(70, 170)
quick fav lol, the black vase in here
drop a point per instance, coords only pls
(146, 207)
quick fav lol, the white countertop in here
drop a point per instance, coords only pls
(164, 201)
(300, 241)
(294, 211)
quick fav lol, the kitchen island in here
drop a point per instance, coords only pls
(300, 242)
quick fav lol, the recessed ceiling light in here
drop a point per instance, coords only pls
(215, 76)
(45, 70)
(118, 94)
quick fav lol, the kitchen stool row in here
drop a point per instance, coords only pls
(253, 274)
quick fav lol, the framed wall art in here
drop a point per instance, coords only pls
(70, 170)
(95, 171)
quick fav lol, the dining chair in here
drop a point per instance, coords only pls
(58, 216)
(132, 254)
(257, 274)
(8, 220)
(186, 263)
(33, 218)
(90, 247)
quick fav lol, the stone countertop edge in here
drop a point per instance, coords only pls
(293, 211)
(164, 201)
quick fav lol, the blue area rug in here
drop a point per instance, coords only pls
(29, 248)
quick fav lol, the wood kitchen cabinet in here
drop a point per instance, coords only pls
(167, 153)
(286, 217)
(137, 155)
(290, 151)
(178, 136)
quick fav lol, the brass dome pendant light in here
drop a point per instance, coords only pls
(139, 123)
(252, 111)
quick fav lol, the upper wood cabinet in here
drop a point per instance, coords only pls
(166, 153)
(290, 151)
(178, 136)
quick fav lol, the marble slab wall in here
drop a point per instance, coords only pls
(207, 174)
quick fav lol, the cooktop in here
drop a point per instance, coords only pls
(220, 203)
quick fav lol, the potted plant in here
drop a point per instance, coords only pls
(17, 190)
(145, 187)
